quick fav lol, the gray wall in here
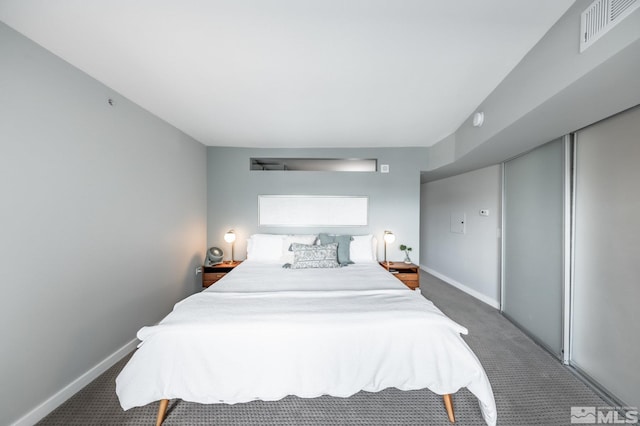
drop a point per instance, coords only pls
(394, 198)
(103, 220)
(468, 261)
(553, 91)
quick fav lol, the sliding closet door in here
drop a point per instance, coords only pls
(606, 287)
(533, 239)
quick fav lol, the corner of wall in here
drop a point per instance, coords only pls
(441, 153)
(481, 297)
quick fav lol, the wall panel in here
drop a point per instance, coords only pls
(606, 289)
(533, 243)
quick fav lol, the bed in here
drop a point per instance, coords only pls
(265, 332)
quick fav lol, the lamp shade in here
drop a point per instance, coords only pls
(230, 236)
(389, 237)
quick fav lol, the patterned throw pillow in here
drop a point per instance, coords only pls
(314, 256)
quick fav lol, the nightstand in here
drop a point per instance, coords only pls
(211, 274)
(408, 273)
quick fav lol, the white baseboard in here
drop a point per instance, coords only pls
(481, 297)
(72, 388)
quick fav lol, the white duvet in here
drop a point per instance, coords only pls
(264, 332)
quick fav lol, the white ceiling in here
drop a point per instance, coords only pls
(295, 73)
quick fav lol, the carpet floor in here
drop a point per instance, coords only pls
(531, 387)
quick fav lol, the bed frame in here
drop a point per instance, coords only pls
(164, 403)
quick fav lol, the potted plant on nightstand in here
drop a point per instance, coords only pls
(406, 251)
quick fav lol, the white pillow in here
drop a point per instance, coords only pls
(287, 256)
(363, 249)
(265, 247)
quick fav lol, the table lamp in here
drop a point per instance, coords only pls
(230, 237)
(388, 239)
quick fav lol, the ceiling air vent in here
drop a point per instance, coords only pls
(601, 16)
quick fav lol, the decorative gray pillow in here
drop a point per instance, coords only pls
(314, 256)
(344, 246)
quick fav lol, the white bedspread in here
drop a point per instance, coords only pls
(264, 332)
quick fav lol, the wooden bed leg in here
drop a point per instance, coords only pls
(162, 410)
(448, 404)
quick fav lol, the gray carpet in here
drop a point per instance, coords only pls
(530, 386)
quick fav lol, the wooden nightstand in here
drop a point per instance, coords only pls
(211, 274)
(408, 273)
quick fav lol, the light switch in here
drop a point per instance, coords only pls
(484, 212)
(384, 168)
